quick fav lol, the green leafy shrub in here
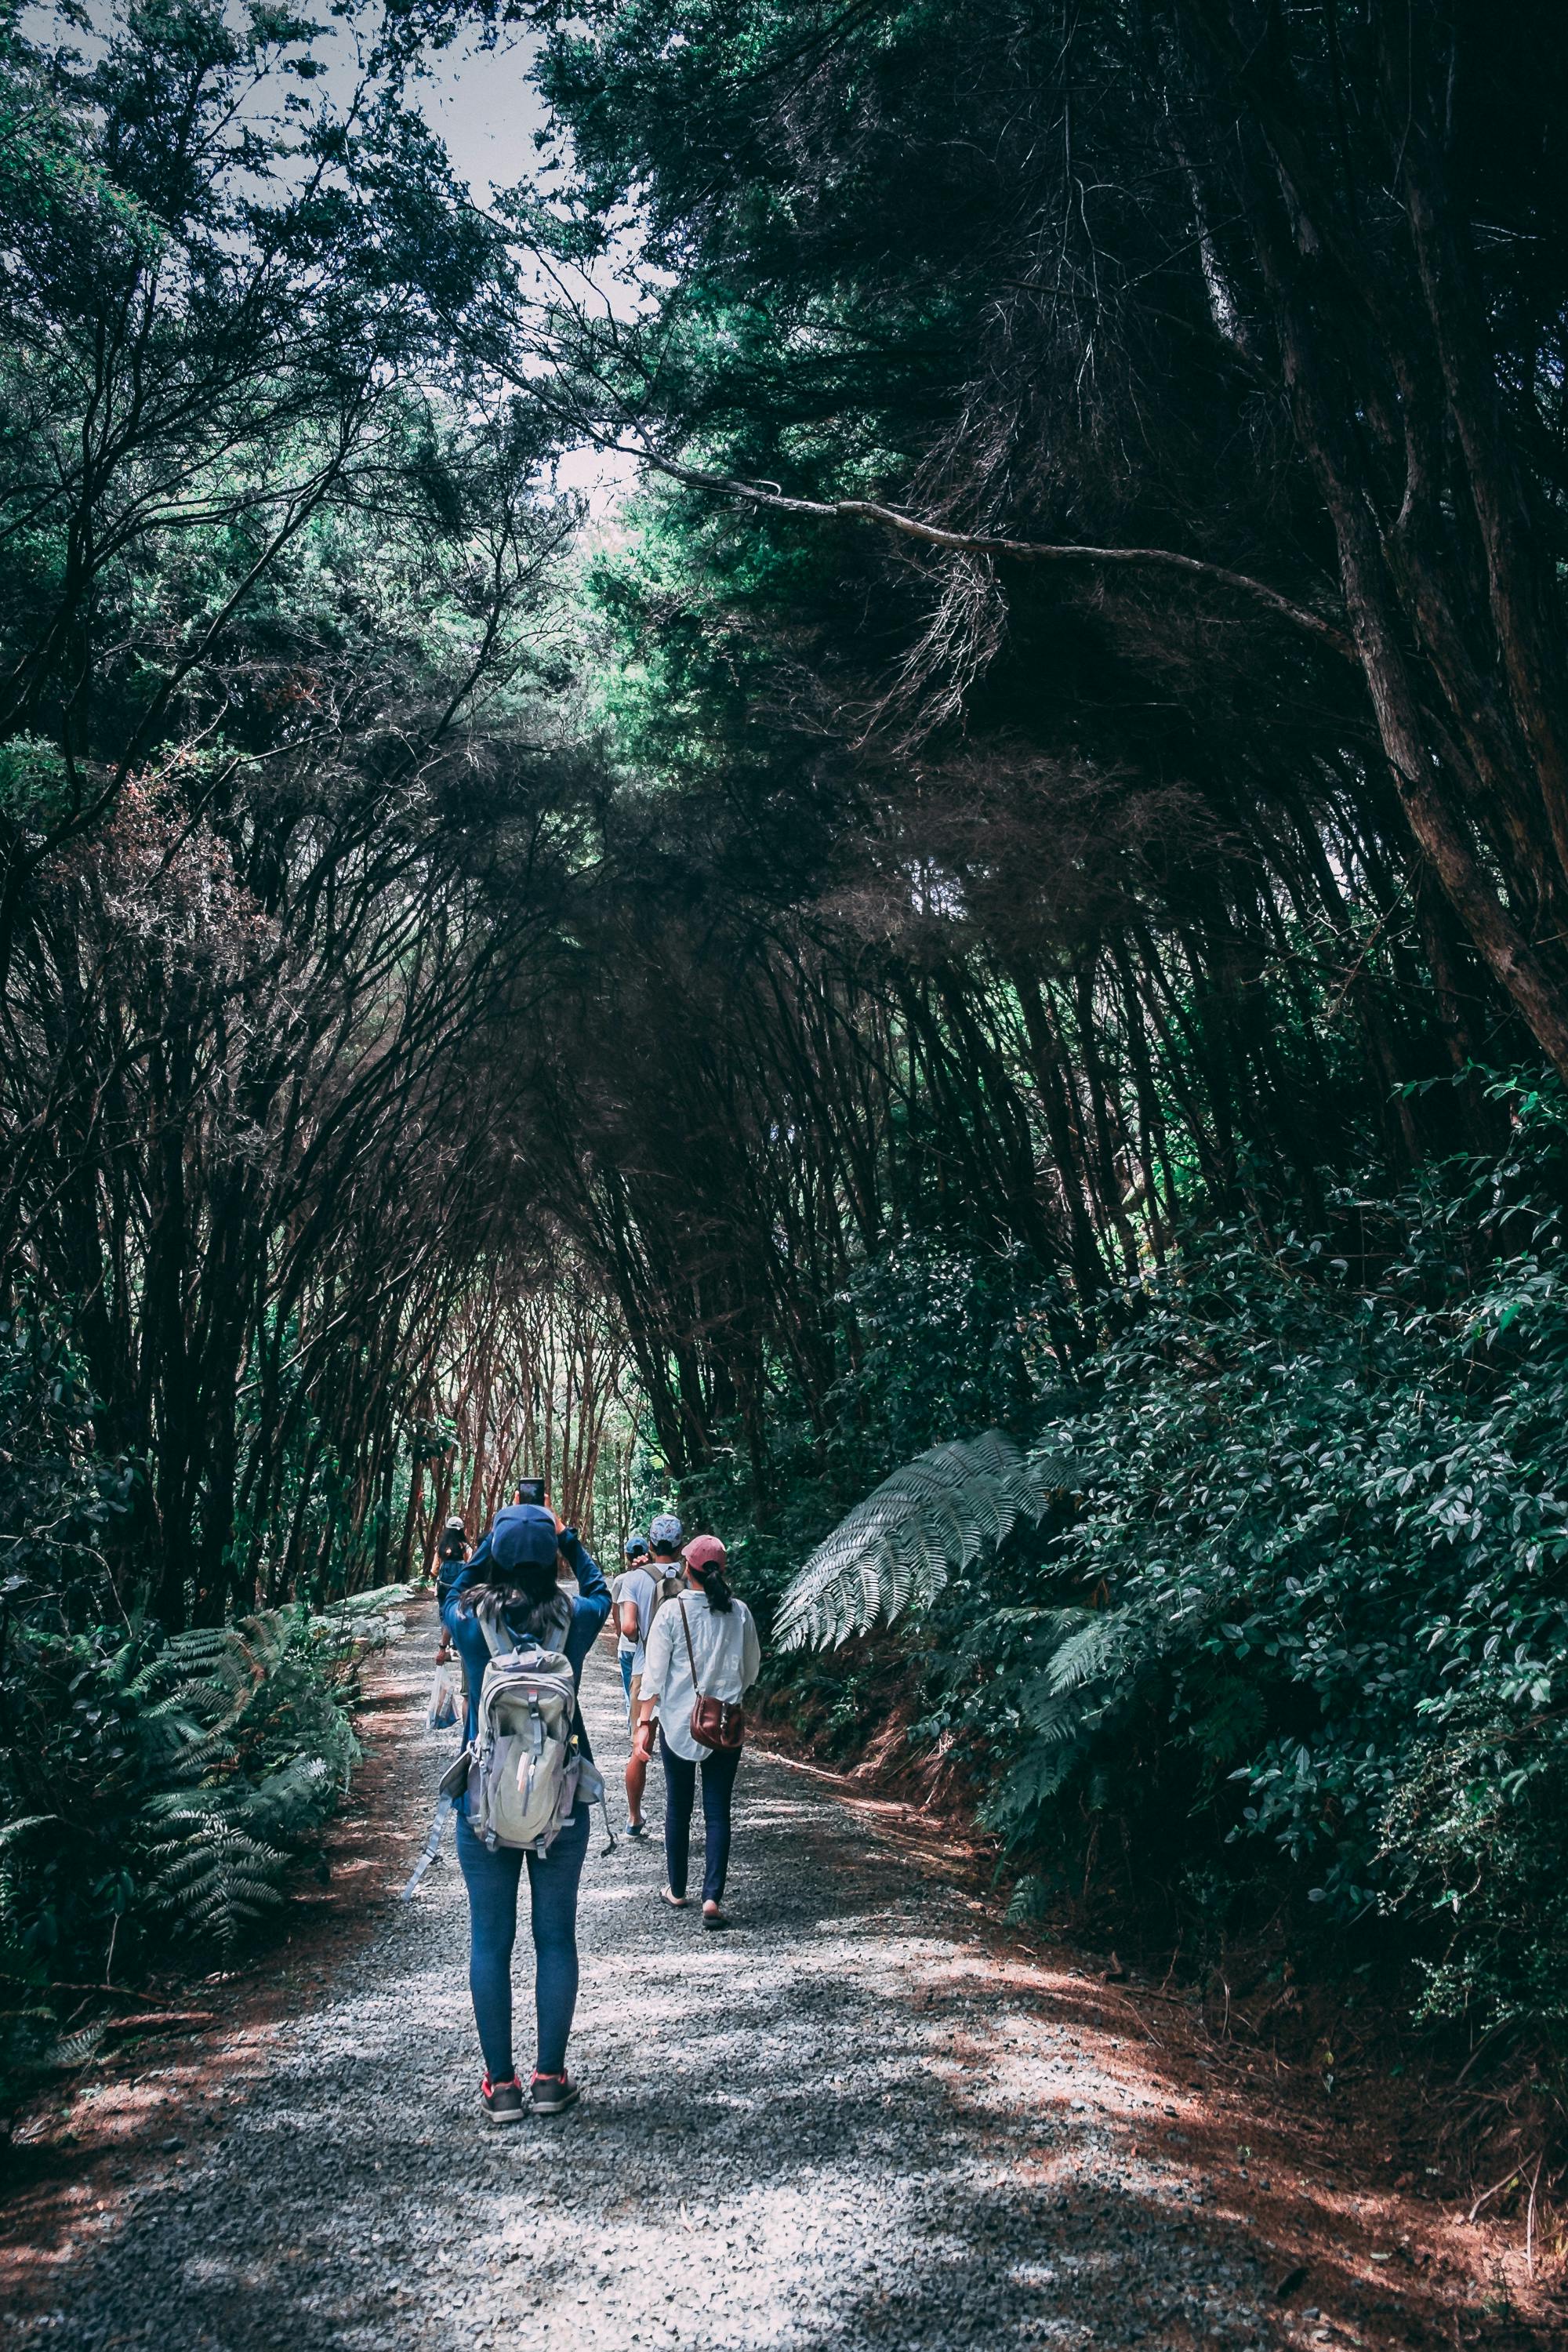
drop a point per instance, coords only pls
(155, 1791)
(157, 1786)
(1303, 1627)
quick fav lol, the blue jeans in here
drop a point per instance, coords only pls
(624, 1659)
(493, 1874)
(719, 1769)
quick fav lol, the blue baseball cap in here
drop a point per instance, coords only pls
(667, 1528)
(636, 1546)
(524, 1536)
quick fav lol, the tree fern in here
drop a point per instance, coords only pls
(924, 1525)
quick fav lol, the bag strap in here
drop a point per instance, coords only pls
(691, 1653)
(445, 1806)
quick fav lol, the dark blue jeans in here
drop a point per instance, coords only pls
(492, 1876)
(719, 1769)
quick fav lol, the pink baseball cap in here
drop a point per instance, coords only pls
(704, 1551)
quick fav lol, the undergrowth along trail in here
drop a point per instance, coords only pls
(864, 2118)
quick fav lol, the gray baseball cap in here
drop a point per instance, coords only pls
(665, 1528)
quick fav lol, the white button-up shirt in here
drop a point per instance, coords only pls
(728, 1658)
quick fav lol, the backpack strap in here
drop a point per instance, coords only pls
(492, 1622)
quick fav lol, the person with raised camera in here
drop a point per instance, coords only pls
(507, 1599)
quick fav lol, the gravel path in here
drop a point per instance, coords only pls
(852, 2121)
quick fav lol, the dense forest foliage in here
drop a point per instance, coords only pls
(287, 795)
(1017, 883)
(1087, 661)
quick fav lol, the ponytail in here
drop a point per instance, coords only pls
(714, 1585)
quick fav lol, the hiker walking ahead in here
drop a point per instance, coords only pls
(625, 1645)
(642, 1592)
(506, 1598)
(450, 1552)
(703, 1646)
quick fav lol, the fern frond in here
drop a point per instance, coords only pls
(18, 1828)
(1051, 1715)
(897, 1549)
(372, 1604)
(1096, 1650)
(295, 1799)
(265, 1639)
(214, 1877)
(1033, 1779)
(32, 2049)
(1055, 1469)
(72, 2049)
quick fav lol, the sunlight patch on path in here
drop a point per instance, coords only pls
(846, 2123)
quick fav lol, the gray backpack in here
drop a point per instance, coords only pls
(520, 1779)
(526, 1769)
(665, 1588)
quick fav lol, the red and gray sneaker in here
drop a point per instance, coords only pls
(553, 2095)
(504, 2102)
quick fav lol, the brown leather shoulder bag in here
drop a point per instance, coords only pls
(715, 1722)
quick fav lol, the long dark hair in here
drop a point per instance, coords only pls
(714, 1585)
(531, 1604)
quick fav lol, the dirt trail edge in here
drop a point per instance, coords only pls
(860, 2118)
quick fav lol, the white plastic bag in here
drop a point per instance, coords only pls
(445, 1696)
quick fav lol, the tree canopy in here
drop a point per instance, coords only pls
(1013, 883)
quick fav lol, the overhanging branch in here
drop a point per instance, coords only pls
(1020, 550)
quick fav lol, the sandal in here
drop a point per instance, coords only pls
(676, 1902)
(714, 1918)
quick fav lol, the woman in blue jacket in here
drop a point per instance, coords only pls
(512, 1578)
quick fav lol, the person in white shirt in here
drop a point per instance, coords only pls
(728, 1658)
(625, 1645)
(642, 1592)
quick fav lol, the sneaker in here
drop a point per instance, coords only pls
(553, 2095)
(504, 2102)
(636, 1829)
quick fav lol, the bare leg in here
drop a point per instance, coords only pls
(637, 1768)
(636, 1780)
